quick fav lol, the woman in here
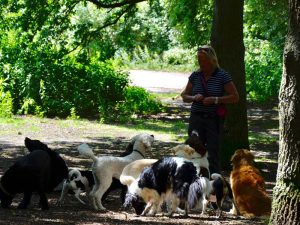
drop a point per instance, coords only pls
(205, 89)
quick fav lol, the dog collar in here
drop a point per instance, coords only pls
(4, 190)
(139, 152)
(197, 158)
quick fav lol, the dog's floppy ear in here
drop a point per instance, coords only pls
(129, 198)
(242, 156)
(249, 156)
(195, 142)
(236, 157)
(147, 141)
(189, 150)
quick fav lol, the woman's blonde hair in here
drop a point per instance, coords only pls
(211, 54)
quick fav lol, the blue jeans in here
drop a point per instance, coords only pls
(210, 128)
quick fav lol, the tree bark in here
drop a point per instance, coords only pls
(227, 40)
(286, 195)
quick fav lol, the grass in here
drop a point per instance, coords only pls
(35, 126)
(162, 96)
(158, 66)
(173, 128)
(263, 132)
(261, 138)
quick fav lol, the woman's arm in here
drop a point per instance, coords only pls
(231, 97)
(232, 94)
(187, 96)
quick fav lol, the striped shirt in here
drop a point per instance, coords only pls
(215, 87)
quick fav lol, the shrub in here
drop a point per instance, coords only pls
(138, 101)
(177, 56)
(6, 103)
(263, 70)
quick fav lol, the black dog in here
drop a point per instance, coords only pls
(40, 171)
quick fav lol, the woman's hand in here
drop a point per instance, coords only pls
(198, 98)
(209, 100)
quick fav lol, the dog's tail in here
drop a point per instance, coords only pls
(225, 183)
(200, 188)
(216, 176)
(126, 180)
(85, 150)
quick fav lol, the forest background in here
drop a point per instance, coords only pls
(70, 58)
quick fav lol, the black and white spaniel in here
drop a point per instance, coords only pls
(170, 179)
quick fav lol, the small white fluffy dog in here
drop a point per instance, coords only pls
(105, 168)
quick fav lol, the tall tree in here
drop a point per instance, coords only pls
(227, 40)
(286, 198)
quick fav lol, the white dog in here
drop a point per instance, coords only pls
(106, 168)
(133, 170)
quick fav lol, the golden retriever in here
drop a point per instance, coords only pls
(248, 186)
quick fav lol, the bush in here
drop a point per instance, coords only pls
(175, 59)
(177, 56)
(75, 86)
(5, 102)
(263, 70)
(139, 101)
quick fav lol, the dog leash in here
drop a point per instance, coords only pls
(135, 150)
(4, 190)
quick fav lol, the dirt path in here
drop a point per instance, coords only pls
(157, 81)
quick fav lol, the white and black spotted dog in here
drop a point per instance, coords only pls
(106, 168)
(82, 181)
(220, 189)
(78, 182)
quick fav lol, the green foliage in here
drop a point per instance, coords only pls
(73, 115)
(192, 20)
(174, 59)
(147, 27)
(265, 29)
(263, 69)
(55, 62)
(140, 101)
(179, 56)
(5, 102)
(56, 56)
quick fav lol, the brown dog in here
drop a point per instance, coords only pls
(248, 186)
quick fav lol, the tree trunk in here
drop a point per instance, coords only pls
(227, 40)
(286, 195)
